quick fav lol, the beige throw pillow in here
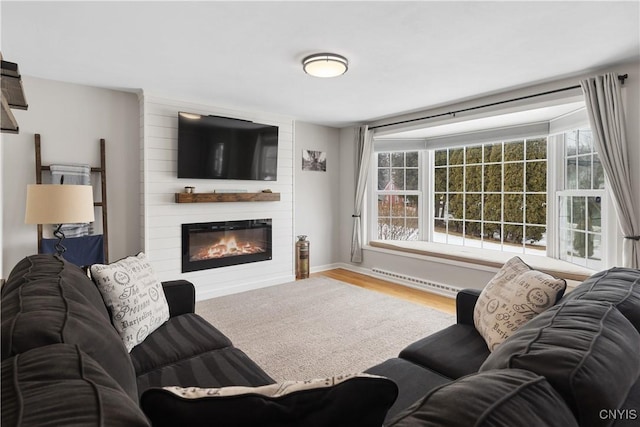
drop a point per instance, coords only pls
(515, 295)
(134, 296)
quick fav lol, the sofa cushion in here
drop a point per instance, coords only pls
(217, 368)
(619, 286)
(413, 382)
(47, 300)
(179, 338)
(587, 350)
(134, 296)
(355, 401)
(498, 398)
(512, 297)
(59, 385)
(435, 351)
(47, 266)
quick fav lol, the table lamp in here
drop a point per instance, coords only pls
(59, 204)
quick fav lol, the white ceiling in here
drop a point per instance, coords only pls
(404, 56)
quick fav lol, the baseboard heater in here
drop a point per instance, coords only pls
(418, 283)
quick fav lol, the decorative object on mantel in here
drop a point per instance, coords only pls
(12, 95)
(314, 160)
(226, 197)
(189, 189)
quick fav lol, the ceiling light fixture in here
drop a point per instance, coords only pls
(325, 65)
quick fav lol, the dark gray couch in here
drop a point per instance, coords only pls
(575, 364)
(62, 358)
(64, 364)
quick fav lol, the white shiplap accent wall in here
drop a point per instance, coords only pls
(162, 217)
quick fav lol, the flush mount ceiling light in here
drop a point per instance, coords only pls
(325, 65)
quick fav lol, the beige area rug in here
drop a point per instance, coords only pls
(319, 327)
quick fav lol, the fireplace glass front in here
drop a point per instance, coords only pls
(220, 244)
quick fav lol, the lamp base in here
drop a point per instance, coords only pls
(60, 249)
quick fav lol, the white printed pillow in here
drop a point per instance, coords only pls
(515, 295)
(270, 390)
(134, 296)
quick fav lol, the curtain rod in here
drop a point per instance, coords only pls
(622, 78)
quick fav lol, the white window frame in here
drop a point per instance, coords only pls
(555, 182)
(608, 220)
(374, 192)
(482, 243)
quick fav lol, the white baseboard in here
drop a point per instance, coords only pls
(325, 267)
(204, 292)
(354, 268)
(404, 280)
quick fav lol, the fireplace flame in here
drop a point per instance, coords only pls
(231, 244)
(226, 246)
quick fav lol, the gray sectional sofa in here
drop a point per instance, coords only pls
(51, 311)
(577, 363)
(64, 364)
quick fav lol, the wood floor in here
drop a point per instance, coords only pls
(438, 302)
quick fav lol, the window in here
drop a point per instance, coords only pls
(492, 196)
(398, 196)
(580, 202)
(538, 195)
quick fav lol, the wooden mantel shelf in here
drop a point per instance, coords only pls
(226, 197)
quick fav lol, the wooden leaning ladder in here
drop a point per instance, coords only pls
(102, 170)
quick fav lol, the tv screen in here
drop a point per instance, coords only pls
(212, 147)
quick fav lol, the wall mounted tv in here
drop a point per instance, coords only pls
(213, 147)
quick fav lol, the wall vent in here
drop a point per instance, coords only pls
(416, 282)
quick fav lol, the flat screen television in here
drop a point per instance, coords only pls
(213, 147)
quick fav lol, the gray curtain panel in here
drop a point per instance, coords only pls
(364, 146)
(606, 115)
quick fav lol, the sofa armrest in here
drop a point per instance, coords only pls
(465, 303)
(181, 297)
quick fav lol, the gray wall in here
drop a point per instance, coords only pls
(317, 202)
(71, 119)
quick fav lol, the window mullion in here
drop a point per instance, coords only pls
(555, 182)
(426, 186)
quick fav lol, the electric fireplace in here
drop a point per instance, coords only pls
(220, 244)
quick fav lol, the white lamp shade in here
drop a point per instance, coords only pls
(59, 204)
